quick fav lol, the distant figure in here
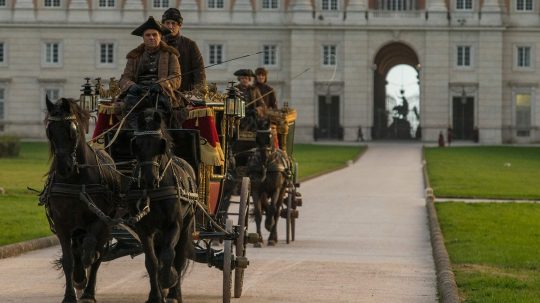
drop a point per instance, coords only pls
(449, 135)
(441, 139)
(360, 135)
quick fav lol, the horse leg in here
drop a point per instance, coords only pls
(168, 276)
(271, 211)
(67, 266)
(79, 272)
(101, 235)
(258, 215)
(184, 250)
(279, 205)
(151, 264)
(89, 295)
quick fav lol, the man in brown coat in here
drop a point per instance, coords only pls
(191, 60)
(152, 68)
(267, 92)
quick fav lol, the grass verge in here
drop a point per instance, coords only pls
(23, 220)
(484, 172)
(314, 160)
(493, 249)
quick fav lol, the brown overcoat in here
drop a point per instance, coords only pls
(168, 68)
(191, 61)
(268, 94)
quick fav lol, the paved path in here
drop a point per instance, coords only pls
(362, 237)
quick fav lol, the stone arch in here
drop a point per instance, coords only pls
(388, 56)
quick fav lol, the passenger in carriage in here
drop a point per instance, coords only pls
(152, 67)
(255, 107)
(267, 92)
(191, 60)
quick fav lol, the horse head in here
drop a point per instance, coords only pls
(65, 129)
(150, 145)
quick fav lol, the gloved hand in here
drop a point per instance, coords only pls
(155, 89)
(135, 89)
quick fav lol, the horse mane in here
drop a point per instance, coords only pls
(82, 118)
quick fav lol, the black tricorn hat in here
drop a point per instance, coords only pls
(151, 23)
(172, 14)
(244, 72)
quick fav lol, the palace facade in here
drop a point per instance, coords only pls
(476, 59)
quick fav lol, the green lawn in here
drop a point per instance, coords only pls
(494, 250)
(316, 159)
(22, 219)
(484, 172)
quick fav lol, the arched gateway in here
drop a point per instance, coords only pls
(390, 120)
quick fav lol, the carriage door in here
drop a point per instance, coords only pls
(463, 118)
(329, 127)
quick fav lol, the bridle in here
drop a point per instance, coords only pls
(73, 126)
(140, 164)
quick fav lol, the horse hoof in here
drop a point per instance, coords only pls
(172, 301)
(257, 245)
(87, 300)
(271, 243)
(168, 278)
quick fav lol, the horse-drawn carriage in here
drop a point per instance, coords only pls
(184, 175)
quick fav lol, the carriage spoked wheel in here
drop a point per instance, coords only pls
(227, 263)
(243, 211)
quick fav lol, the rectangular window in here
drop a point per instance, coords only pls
(524, 56)
(464, 5)
(329, 55)
(329, 5)
(52, 3)
(106, 3)
(216, 4)
(524, 5)
(463, 56)
(523, 115)
(2, 105)
(106, 53)
(2, 53)
(269, 4)
(215, 55)
(161, 3)
(52, 53)
(270, 55)
(2, 3)
(52, 93)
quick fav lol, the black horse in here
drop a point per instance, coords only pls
(168, 189)
(269, 172)
(82, 183)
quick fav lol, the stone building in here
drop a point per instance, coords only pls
(476, 59)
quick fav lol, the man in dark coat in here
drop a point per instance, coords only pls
(267, 92)
(191, 60)
(151, 68)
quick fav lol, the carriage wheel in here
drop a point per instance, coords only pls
(289, 218)
(241, 241)
(227, 264)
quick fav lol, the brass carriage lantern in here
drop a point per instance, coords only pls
(87, 100)
(234, 106)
